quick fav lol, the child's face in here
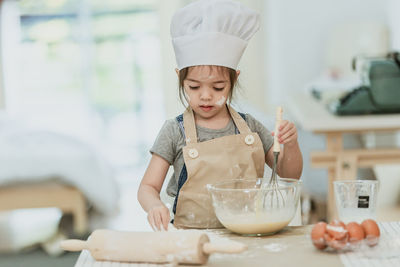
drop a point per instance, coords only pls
(207, 89)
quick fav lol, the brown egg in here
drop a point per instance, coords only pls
(337, 230)
(372, 232)
(356, 232)
(317, 235)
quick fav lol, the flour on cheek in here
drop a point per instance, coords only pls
(221, 101)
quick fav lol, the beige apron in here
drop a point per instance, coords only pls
(228, 157)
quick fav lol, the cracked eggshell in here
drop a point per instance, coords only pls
(337, 230)
(336, 235)
(317, 235)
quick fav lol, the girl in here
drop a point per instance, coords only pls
(210, 142)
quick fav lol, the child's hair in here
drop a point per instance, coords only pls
(184, 72)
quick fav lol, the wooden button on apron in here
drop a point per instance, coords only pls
(249, 139)
(193, 153)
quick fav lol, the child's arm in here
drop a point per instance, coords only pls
(149, 193)
(290, 161)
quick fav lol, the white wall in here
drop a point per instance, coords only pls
(252, 65)
(1, 84)
(297, 38)
(393, 10)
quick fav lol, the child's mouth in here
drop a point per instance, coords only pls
(206, 108)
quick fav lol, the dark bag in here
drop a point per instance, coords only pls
(384, 83)
(380, 92)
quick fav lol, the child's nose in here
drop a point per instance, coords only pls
(205, 94)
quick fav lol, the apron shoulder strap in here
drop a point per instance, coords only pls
(189, 126)
(179, 119)
(239, 120)
(244, 117)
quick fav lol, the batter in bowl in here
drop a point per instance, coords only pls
(257, 223)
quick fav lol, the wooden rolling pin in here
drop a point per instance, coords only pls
(186, 247)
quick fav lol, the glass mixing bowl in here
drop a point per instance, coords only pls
(242, 207)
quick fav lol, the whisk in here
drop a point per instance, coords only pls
(273, 197)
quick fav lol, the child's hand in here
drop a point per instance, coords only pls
(158, 217)
(287, 133)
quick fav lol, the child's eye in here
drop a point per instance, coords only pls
(194, 87)
(219, 88)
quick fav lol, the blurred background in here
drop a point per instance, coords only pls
(86, 85)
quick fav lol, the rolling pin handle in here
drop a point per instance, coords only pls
(74, 245)
(224, 247)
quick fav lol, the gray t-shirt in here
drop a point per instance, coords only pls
(170, 141)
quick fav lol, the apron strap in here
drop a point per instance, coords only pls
(190, 126)
(239, 121)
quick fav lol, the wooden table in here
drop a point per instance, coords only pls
(68, 199)
(290, 247)
(342, 164)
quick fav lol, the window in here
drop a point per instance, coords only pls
(86, 67)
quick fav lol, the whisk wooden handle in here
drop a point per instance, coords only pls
(278, 120)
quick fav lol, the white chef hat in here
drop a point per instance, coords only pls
(212, 32)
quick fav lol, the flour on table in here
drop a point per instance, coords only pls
(275, 247)
(172, 228)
